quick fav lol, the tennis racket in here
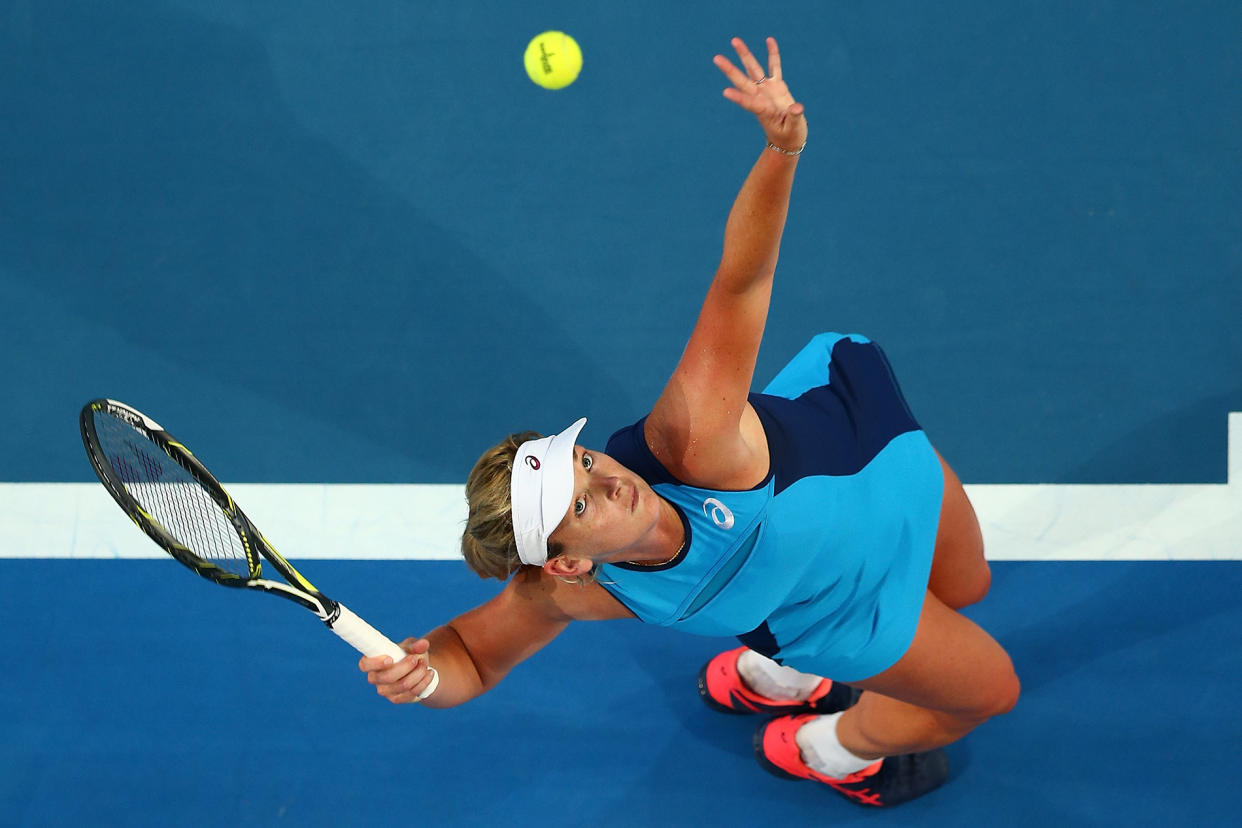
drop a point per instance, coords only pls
(183, 508)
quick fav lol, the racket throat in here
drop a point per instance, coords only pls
(329, 612)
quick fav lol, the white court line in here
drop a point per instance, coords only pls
(1193, 522)
(1153, 522)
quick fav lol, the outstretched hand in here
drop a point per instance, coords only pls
(765, 95)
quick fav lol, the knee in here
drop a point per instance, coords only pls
(981, 583)
(987, 692)
(964, 588)
(1000, 696)
(1007, 695)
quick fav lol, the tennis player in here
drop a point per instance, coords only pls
(814, 521)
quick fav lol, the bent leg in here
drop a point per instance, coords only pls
(959, 574)
(953, 678)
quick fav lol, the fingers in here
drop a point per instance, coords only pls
(735, 75)
(383, 670)
(408, 689)
(750, 75)
(764, 95)
(753, 89)
(401, 681)
(415, 646)
(753, 70)
(751, 103)
(773, 106)
(774, 59)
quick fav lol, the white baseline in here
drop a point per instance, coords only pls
(1041, 522)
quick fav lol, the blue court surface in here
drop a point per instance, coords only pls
(336, 246)
(184, 709)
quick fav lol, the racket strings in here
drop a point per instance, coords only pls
(171, 495)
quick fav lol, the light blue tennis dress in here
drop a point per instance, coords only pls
(824, 565)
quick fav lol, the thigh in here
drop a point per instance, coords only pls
(953, 666)
(959, 575)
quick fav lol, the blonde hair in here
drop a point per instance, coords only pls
(487, 544)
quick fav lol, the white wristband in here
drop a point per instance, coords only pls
(431, 688)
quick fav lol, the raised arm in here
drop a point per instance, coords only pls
(701, 428)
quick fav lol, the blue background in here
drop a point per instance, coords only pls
(323, 243)
(327, 244)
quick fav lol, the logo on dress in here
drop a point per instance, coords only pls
(718, 512)
(533, 462)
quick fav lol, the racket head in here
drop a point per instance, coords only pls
(169, 494)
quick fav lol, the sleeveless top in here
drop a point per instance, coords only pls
(824, 565)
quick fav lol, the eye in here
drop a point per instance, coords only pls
(579, 506)
(587, 461)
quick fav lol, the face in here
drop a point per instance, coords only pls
(612, 510)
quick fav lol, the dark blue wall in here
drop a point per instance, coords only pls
(327, 243)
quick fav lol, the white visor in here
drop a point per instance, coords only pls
(540, 491)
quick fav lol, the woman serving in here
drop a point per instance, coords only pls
(814, 521)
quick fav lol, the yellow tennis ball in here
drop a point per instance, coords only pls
(553, 60)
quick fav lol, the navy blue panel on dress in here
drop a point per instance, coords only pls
(628, 446)
(865, 409)
(761, 640)
(862, 399)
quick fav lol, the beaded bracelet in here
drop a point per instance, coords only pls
(784, 151)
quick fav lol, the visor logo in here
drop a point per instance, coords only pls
(718, 512)
(533, 462)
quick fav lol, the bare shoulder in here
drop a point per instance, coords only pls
(703, 451)
(560, 600)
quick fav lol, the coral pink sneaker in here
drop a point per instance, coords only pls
(890, 781)
(723, 689)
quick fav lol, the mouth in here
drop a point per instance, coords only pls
(634, 500)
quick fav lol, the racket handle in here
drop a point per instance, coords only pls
(371, 642)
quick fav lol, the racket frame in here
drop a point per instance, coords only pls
(254, 544)
(339, 618)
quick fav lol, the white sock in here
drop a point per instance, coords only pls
(823, 752)
(767, 678)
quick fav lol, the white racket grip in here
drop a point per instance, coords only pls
(371, 642)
